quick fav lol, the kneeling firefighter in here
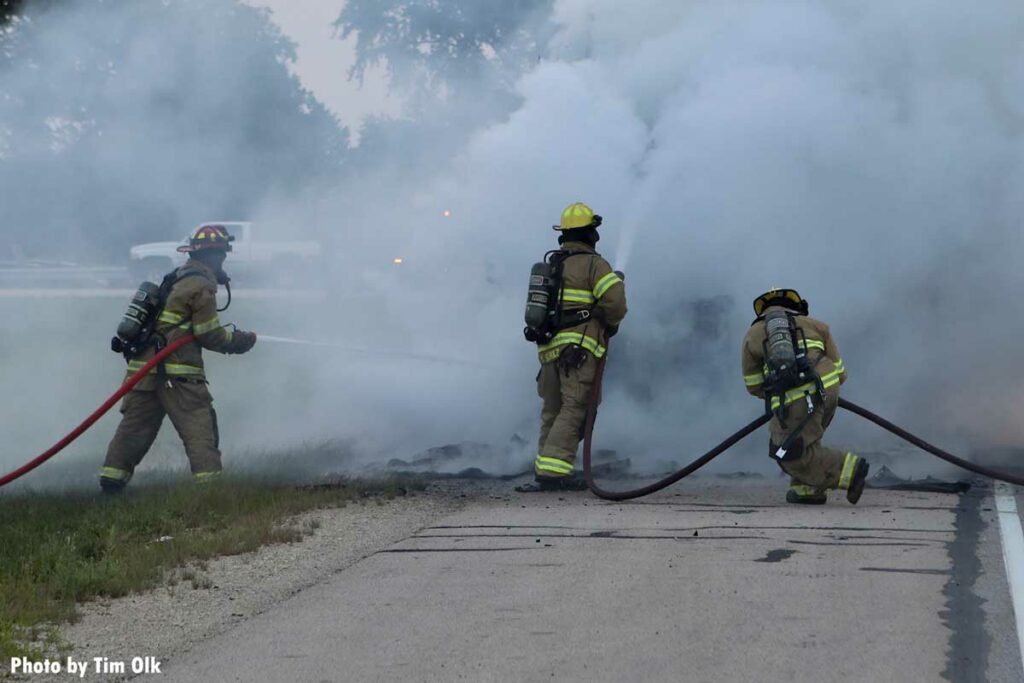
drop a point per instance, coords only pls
(791, 361)
(575, 304)
(184, 303)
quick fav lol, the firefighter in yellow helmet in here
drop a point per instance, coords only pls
(792, 362)
(587, 310)
(177, 387)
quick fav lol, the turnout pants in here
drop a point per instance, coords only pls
(189, 405)
(565, 394)
(812, 466)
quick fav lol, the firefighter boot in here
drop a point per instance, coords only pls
(855, 473)
(802, 494)
(111, 487)
(113, 480)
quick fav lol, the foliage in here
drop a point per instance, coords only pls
(449, 40)
(132, 121)
(10, 8)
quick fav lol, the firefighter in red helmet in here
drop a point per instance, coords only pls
(177, 387)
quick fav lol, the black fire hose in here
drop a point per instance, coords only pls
(934, 450)
(595, 399)
(588, 437)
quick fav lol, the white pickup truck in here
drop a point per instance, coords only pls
(277, 261)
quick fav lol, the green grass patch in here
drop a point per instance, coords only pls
(58, 550)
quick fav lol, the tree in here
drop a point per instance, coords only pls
(9, 9)
(448, 41)
(453, 62)
(130, 121)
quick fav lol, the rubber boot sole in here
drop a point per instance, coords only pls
(860, 475)
(111, 487)
(796, 499)
(553, 485)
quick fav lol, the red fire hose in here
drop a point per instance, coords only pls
(587, 441)
(100, 412)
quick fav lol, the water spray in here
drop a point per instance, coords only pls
(371, 352)
(627, 238)
(167, 351)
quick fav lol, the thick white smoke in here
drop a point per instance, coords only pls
(869, 155)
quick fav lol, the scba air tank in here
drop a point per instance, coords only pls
(538, 296)
(781, 352)
(141, 310)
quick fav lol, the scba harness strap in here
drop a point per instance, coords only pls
(787, 367)
(565, 319)
(573, 318)
(158, 341)
(545, 316)
(132, 344)
(166, 285)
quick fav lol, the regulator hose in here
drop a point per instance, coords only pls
(595, 399)
(98, 413)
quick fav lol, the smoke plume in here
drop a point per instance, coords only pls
(867, 154)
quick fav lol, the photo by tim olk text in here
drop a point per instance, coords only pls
(81, 667)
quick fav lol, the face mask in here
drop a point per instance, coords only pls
(216, 264)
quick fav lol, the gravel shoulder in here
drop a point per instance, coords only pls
(468, 579)
(171, 619)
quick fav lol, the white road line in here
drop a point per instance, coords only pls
(1013, 553)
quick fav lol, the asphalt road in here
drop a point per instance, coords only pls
(716, 580)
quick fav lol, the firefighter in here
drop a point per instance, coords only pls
(592, 304)
(802, 407)
(177, 387)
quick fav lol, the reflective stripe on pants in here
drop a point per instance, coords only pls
(189, 405)
(565, 397)
(115, 474)
(552, 467)
(849, 467)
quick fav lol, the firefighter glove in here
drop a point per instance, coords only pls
(242, 341)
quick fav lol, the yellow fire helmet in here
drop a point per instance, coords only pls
(789, 298)
(578, 215)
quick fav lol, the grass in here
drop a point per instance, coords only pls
(59, 550)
